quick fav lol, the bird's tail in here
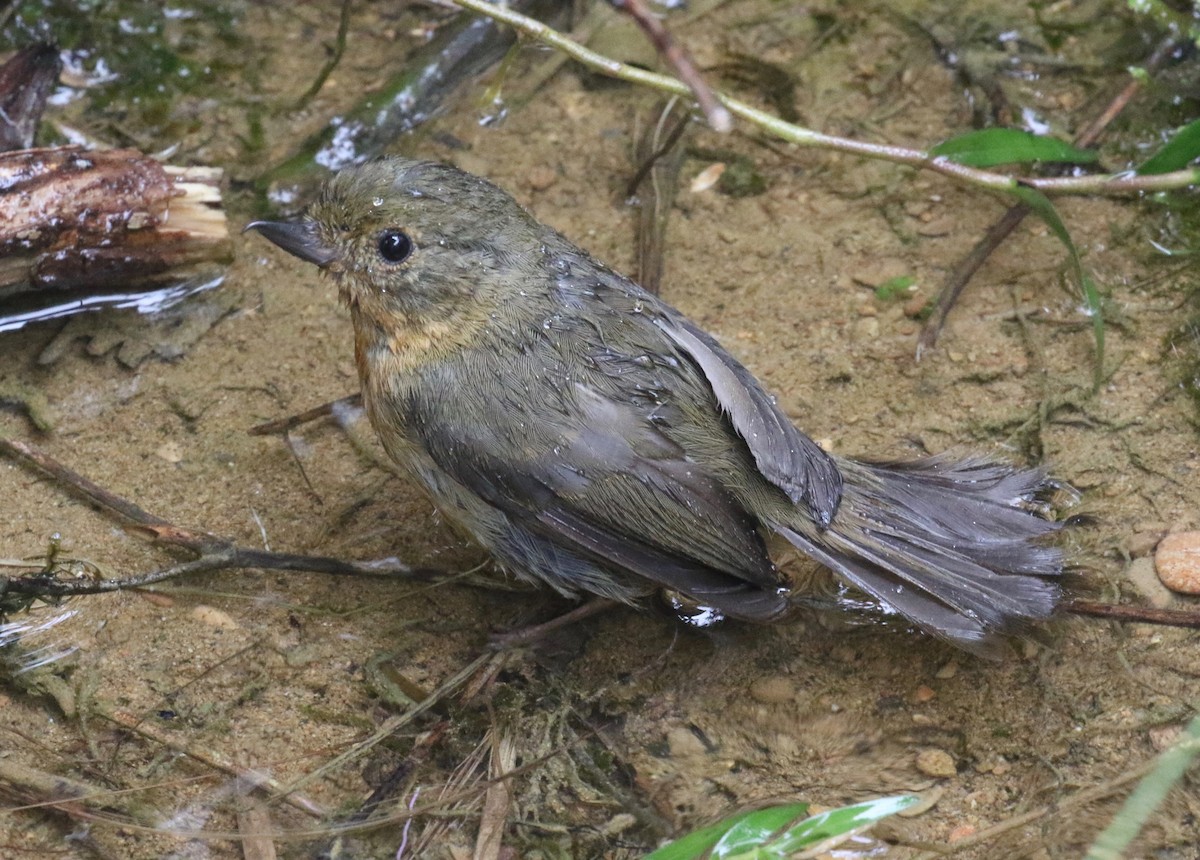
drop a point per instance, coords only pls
(957, 546)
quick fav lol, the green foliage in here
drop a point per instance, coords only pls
(1112, 843)
(765, 834)
(1176, 153)
(993, 146)
(1041, 205)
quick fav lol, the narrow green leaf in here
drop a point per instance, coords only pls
(1040, 204)
(1149, 794)
(992, 146)
(755, 829)
(835, 823)
(694, 845)
(1176, 153)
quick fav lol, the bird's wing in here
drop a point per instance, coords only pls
(601, 480)
(784, 456)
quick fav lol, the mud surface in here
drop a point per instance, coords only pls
(627, 728)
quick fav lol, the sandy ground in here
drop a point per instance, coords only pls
(626, 728)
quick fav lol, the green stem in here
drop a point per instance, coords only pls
(1100, 184)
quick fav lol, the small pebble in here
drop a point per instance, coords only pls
(707, 178)
(542, 177)
(170, 451)
(962, 831)
(866, 329)
(947, 671)
(1144, 539)
(1163, 737)
(936, 763)
(214, 617)
(914, 306)
(925, 694)
(1177, 560)
(682, 742)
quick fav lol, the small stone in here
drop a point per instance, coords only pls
(1162, 737)
(170, 451)
(936, 763)
(947, 671)
(866, 329)
(541, 177)
(962, 831)
(1144, 539)
(915, 306)
(924, 694)
(1177, 560)
(707, 178)
(214, 617)
(772, 691)
(682, 742)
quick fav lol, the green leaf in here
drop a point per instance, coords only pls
(755, 829)
(991, 146)
(1040, 204)
(1176, 153)
(756, 835)
(695, 845)
(838, 824)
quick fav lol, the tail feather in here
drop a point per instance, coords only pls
(955, 546)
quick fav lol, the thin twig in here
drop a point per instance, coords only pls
(215, 553)
(1133, 614)
(284, 425)
(339, 47)
(215, 760)
(1099, 184)
(677, 58)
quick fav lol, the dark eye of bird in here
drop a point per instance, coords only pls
(395, 246)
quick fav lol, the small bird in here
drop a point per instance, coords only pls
(591, 437)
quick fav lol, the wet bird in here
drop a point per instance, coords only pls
(593, 438)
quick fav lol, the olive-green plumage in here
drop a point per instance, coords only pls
(593, 438)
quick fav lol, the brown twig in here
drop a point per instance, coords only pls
(283, 425)
(215, 553)
(1133, 614)
(335, 57)
(962, 273)
(215, 760)
(678, 59)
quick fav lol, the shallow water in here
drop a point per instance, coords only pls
(630, 727)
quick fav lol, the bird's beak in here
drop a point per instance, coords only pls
(296, 237)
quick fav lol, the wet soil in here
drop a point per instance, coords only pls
(628, 728)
